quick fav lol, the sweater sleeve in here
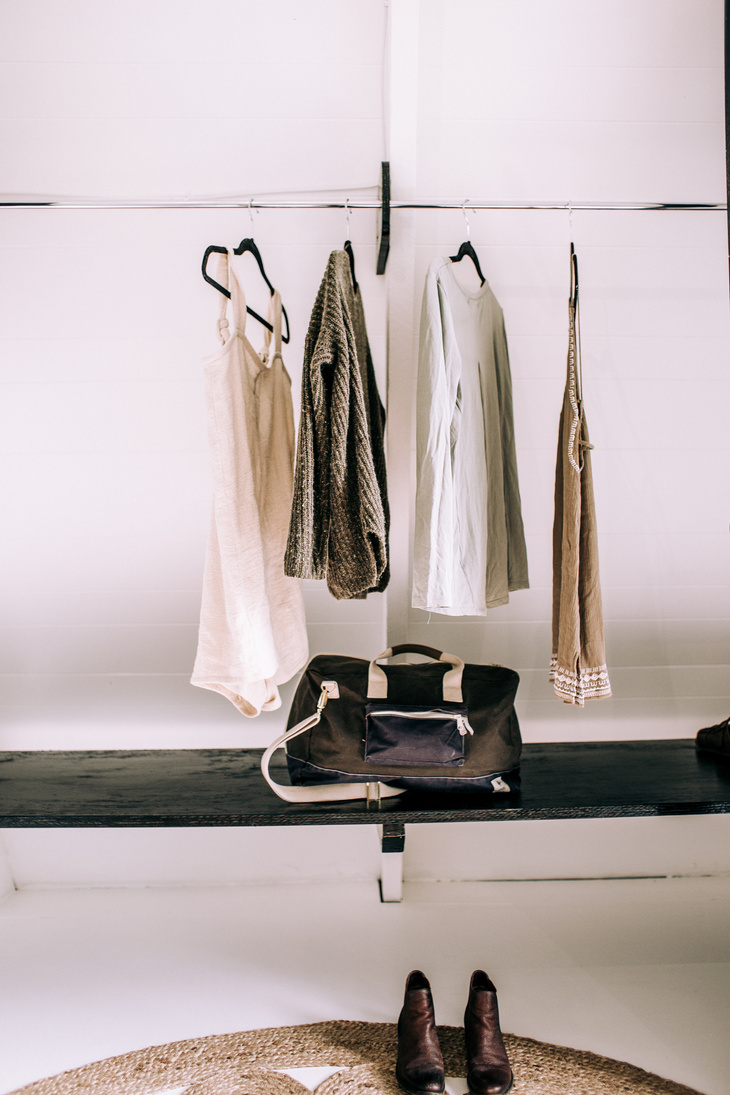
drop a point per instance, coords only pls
(306, 549)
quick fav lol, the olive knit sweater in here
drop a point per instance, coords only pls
(340, 518)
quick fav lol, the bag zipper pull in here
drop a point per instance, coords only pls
(463, 723)
(323, 697)
(330, 691)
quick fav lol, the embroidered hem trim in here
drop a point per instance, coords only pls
(577, 687)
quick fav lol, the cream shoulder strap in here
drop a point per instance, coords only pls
(326, 792)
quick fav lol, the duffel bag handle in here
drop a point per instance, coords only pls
(378, 682)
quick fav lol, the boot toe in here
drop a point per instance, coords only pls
(426, 1080)
(490, 1081)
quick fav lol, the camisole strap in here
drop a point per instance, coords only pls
(274, 318)
(238, 297)
(223, 325)
(229, 279)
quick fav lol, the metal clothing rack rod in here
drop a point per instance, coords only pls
(383, 204)
(375, 203)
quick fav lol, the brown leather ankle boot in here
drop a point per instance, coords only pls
(488, 1068)
(419, 1069)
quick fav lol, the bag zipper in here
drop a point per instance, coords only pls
(461, 720)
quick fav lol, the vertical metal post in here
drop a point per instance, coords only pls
(384, 219)
(392, 844)
(727, 113)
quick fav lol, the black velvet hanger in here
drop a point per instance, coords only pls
(244, 245)
(467, 251)
(351, 256)
(574, 275)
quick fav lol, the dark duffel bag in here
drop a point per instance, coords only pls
(360, 730)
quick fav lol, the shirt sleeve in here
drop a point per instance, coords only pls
(438, 418)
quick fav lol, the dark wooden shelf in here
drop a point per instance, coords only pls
(212, 787)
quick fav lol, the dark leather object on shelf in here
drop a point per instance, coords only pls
(715, 739)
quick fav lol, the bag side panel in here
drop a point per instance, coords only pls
(337, 741)
(489, 693)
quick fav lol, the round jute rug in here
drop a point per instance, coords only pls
(246, 1064)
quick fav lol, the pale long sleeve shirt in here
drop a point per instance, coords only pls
(469, 546)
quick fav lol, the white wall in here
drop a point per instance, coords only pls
(7, 881)
(603, 848)
(105, 319)
(611, 102)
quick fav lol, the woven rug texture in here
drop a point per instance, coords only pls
(245, 1064)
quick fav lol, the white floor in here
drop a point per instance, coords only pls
(634, 969)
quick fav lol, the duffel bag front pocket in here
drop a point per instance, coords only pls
(417, 737)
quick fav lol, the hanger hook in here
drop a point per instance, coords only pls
(468, 226)
(347, 214)
(570, 217)
(250, 213)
